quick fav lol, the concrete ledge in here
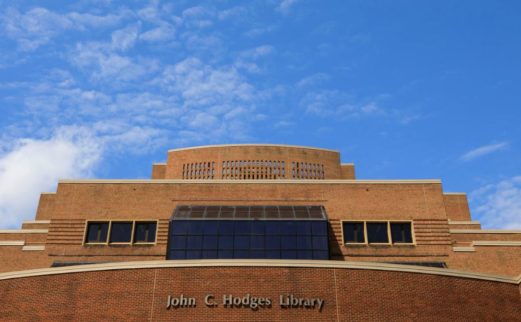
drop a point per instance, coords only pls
(24, 231)
(455, 193)
(12, 242)
(462, 222)
(481, 231)
(36, 222)
(259, 181)
(259, 263)
(33, 247)
(495, 243)
(463, 249)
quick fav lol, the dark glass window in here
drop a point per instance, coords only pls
(246, 238)
(377, 232)
(121, 232)
(97, 232)
(353, 232)
(145, 232)
(401, 232)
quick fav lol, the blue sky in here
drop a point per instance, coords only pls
(404, 89)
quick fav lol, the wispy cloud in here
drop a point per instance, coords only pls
(498, 205)
(286, 5)
(483, 150)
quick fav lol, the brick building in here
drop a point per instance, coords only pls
(257, 232)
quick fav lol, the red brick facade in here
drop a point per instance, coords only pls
(348, 295)
(443, 232)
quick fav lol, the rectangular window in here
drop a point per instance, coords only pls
(401, 232)
(377, 233)
(121, 232)
(145, 232)
(97, 232)
(354, 233)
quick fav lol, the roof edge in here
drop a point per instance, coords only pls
(253, 144)
(263, 181)
(259, 263)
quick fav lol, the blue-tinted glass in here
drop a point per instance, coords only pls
(242, 242)
(121, 232)
(257, 242)
(242, 227)
(303, 227)
(225, 253)
(319, 227)
(209, 254)
(193, 254)
(377, 232)
(257, 228)
(320, 254)
(272, 242)
(304, 254)
(288, 228)
(210, 227)
(288, 242)
(176, 254)
(226, 227)
(258, 254)
(196, 227)
(288, 254)
(320, 242)
(241, 254)
(210, 242)
(225, 242)
(272, 228)
(273, 254)
(145, 232)
(194, 242)
(304, 242)
(179, 227)
(97, 232)
(178, 242)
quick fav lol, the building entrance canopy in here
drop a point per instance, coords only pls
(262, 232)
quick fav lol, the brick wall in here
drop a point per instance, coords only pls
(349, 295)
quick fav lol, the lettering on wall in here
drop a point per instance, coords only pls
(284, 301)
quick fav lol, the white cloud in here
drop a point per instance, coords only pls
(38, 26)
(499, 205)
(102, 63)
(483, 150)
(312, 80)
(286, 5)
(164, 32)
(257, 52)
(33, 166)
(333, 103)
(124, 39)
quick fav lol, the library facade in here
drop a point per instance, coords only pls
(260, 233)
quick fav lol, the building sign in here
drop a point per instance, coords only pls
(284, 301)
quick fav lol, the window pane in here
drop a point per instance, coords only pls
(377, 232)
(319, 242)
(304, 242)
(179, 227)
(210, 227)
(176, 254)
(226, 227)
(288, 242)
(257, 242)
(319, 228)
(210, 242)
(225, 242)
(241, 254)
(354, 232)
(401, 232)
(145, 232)
(97, 232)
(178, 242)
(242, 242)
(257, 228)
(194, 242)
(273, 242)
(121, 232)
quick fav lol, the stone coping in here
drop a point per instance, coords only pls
(253, 145)
(463, 222)
(483, 231)
(258, 181)
(258, 263)
(24, 231)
